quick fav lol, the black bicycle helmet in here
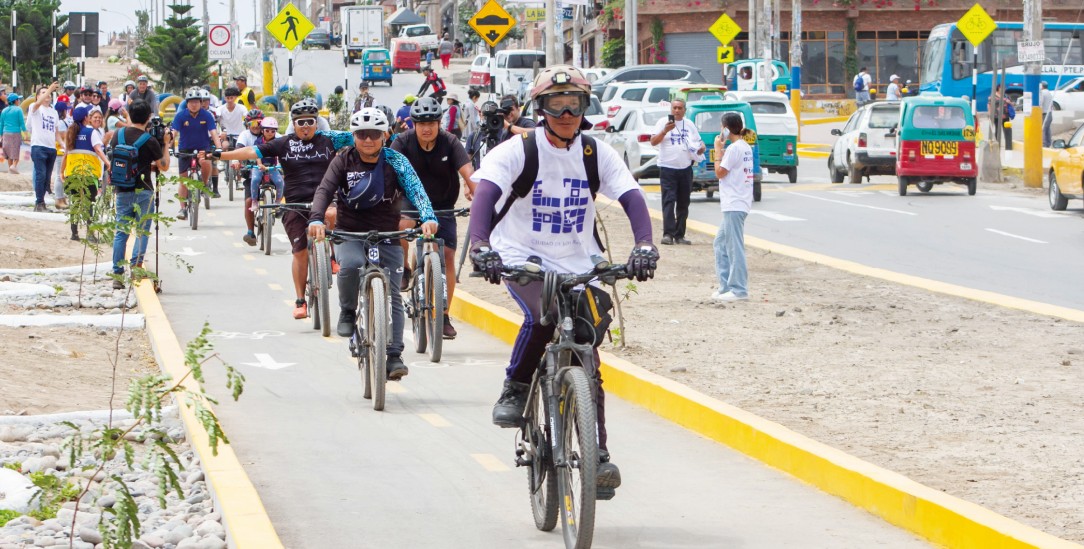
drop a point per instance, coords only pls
(388, 113)
(425, 109)
(254, 114)
(305, 107)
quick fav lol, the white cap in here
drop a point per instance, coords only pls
(894, 77)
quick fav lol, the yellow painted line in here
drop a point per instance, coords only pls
(243, 514)
(259, 271)
(249, 257)
(813, 154)
(941, 518)
(228, 233)
(825, 120)
(219, 223)
(330, 338)
(238, 245)
(490, 462)
(814, 145)
(289, 302)
(397, 389)
(273, 286)
(436, 420)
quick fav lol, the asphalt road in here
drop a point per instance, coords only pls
(325, 70)
(431, 470)
(998, 240)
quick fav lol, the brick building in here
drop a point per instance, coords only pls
(889, 39)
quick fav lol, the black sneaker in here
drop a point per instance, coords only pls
(183, 214)
(347, 319)
(683, 240)
(667, 239)
(508, 411)
(449, 331)
(215, 195)
(608, 478)
(118, 284)
(396, 368)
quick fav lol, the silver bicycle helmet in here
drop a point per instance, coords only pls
(387, 112)
(193, 93)
(305, 107)
(369, 118)
(204, 94)
(425, 109)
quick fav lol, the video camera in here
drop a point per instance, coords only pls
(492, 118)
(157, 129)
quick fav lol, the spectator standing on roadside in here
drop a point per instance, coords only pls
(680, 146)
(44, 121)
(63, 111)
(861, 87)
(135, 204)
(365, 99)
(735, 173)
(452, 119)
(470, 110)
(1046, 103)
(13, 124)
(893, 92)
(248, 96)
(145, 92)
(445, 50)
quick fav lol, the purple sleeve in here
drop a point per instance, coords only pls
(481, 210)
(635, 207)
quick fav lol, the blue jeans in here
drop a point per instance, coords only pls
(43, 159)
(351, 256)
(729, 246)
(257, 177)
(132, 206)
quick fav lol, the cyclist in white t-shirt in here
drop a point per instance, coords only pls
(735, 173)
(554, 223)
(231, 115)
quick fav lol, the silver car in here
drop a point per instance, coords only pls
(630, 135)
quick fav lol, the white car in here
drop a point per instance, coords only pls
(514, 70)
(595, 74)
(777, 130)
(1070, 95)
(867, 144)
(637, 93)
(630, 135)
(249, 43)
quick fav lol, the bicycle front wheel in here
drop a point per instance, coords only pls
(322, 280)
(193, 209)
(541, 476)
(417, 312)
(434, 305)
(230, 175)
(377, 328)
(311, 289)
(268, 220)
(576, 478)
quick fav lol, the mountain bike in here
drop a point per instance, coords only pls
(428, 298)
(230, 175)
(369, 342)
(194, 192)
(267, 209)
(558, 439)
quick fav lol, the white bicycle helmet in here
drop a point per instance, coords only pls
(193, 93)
(204, 94)
(269, 122)
(369, 118)
(305, 107)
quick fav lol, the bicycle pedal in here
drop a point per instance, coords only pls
(605, 494)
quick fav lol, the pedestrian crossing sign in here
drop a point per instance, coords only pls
(290, 26)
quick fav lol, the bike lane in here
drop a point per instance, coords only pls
(431, 470)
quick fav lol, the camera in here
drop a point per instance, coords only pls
(492, 117)
(157, 130)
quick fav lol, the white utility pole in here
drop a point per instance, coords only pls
(551, 32)
(632, 40)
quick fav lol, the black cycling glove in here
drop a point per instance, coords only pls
(643, 261)
(487, 261)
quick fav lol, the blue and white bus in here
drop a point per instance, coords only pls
(946, 60)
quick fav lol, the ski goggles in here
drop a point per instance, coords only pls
(371, 135)
(557, 104)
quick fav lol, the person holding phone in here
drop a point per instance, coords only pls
(680, 147)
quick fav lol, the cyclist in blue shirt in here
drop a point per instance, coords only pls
(197, 132)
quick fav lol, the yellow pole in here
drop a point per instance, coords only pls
(796, 104)
(268, 78)
(1033, 149)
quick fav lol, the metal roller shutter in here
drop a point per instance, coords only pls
(696, 49)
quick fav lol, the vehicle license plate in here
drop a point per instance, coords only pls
(939, 148)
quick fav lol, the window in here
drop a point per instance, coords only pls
(633, 94)
(933, 117)
(652, 117)
(884, 117)
(1063, 47)
(712, 121)
(411, 46)
(852, 123)
(768, 107)
(525, 60)
(609, 92)
(595, 108)
(376, 56)
(933, 62)
(502, 61)
(658, 94)
(1077, 138)
(628, 75)
(698, 95)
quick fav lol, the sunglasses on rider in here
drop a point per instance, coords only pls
(372, 135)
(575, 104)
(305, 122)
(272, 130)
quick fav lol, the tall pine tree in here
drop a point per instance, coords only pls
(177, 51)
(34, 36)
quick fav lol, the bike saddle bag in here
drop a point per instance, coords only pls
(592, 320)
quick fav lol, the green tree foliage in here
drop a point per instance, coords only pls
(613, 53)
(34, 20)
(177, 51)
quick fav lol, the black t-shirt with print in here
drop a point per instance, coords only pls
(303, 163)
(149, 153)
(438, 169)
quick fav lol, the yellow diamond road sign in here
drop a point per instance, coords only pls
(724, 29)
(976, 25)
(492, 22)
(290, 26)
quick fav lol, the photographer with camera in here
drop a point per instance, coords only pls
(514, 123)
(132, 182)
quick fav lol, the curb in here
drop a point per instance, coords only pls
(934, 515)
(243, 514)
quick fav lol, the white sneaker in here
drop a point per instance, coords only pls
(730, 296)
(718, 292)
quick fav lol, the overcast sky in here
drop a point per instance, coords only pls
(124, 15)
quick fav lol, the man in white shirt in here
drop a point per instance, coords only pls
(1046, 103)
(861, 87)
(43, 121)
(680, 146)
(893, 92)
(231, 115)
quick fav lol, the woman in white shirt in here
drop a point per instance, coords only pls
(735, 173)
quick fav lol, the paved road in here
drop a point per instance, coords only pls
(431, 471)
(1003, 241)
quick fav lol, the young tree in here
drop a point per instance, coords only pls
(177, 51)
(34, 37)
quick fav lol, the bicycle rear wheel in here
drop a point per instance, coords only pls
(311, 285)
(193, 209)
(268, 198)
(322, 280)
(377, 326)
(417, 312)
(229, 174)
(359, 343)
(576, 479)
(541, 476)
(434, 305)
(207, 199)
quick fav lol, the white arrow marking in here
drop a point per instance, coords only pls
(775, 215)
(188, 252)
(266, 362)
(1027, 211)
(1024, 238)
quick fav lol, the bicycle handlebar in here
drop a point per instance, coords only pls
(525, 273)
(288, 206)
(458, 212)
(339, 237)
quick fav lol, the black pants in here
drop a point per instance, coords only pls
(677, 187)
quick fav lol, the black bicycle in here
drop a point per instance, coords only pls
(267, 210)
(230, 175)
(195, 172)
(558, 439)
(369, 342)
(428, 299)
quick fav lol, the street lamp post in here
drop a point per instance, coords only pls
(128, 34)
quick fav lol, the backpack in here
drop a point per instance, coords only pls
(859, 83)
(523, 184)
(1010, 111)
(124, 164)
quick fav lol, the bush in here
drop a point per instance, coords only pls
(613, 53)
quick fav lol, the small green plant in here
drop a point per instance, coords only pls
(6, 516)
(54, 493)
(16, 466)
